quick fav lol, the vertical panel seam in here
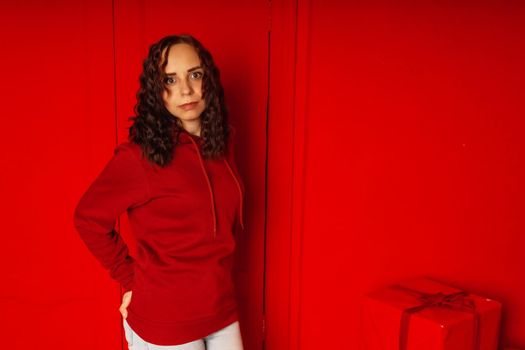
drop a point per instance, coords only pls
(266, 166)
(115, 123)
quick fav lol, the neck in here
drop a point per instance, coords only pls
(192, 126)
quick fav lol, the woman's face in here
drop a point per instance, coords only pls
(183, 83)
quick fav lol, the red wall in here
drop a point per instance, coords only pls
(57, 131)
(69, 77)
(392, 148)
(403, 156)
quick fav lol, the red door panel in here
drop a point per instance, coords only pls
(70, 73)
(236, 35)
(58, 130)
(406, 158)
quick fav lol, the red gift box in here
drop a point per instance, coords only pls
(423, 314)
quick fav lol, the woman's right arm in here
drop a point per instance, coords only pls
(120, 185)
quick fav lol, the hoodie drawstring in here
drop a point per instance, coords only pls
(211, 191)
(240, 192)
(209, 187)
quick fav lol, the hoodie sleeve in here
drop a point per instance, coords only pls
(120, 185)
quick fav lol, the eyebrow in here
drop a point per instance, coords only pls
(189, 70)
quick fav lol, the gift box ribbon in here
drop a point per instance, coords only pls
(459, 301)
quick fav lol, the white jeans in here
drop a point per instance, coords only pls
(228, 338)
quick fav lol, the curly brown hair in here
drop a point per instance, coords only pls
(154, 127)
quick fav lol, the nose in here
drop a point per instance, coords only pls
(185, 87)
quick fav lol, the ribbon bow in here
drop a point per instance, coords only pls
(459, 301)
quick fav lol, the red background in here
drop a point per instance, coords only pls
(404, 152)
(380, 141)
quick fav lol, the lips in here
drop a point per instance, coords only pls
(189, 105)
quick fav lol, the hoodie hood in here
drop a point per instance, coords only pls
(184, 137)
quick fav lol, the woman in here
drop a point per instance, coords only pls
(177, 180)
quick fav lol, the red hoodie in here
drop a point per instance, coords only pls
(184, 218)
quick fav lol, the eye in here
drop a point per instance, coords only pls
(197, 75)
(169, 80)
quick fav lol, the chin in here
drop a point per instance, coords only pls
(190, 116)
